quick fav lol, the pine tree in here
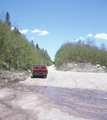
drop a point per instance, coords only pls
(7, 18)
(37, 46)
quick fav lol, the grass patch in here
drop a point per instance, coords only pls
(15, 80)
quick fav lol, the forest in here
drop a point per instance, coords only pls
(82, 52)
(16, 51)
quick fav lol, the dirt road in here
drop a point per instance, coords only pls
(61, 96)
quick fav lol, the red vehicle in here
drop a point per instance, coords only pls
(40, 70)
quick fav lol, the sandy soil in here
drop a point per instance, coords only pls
(68, 79)
(61, 96)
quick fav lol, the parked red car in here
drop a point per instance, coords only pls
(40, 70)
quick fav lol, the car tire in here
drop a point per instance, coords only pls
(45, 76)
(33, 76)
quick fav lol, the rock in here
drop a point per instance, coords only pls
(103, 67)
(29, 70)
(98, 66)
(6, 80)
(75, 64)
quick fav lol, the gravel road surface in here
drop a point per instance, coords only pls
(61, 96)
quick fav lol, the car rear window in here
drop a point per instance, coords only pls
(39, 66)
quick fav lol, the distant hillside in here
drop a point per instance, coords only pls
(80, 52)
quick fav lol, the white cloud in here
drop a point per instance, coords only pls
(32, 38)
(12, 28)
(40, 32)
(101, 36)
(81, 38)
(44, 33)
(89, 35)
(36, 31)
(23, 31)
(75, 40)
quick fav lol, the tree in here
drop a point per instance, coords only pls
(81, 52)
(16, 31)
(37, 46)
(7, 18)
(16, 51)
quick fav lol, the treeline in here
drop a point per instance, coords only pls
(15, 50)
(82, 52)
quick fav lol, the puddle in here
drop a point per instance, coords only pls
(93, 97)
(89, 103)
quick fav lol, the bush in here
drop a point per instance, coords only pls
(81, 52)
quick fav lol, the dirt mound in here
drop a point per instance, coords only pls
(12, 76)
(80, 67)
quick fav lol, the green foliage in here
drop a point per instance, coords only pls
(7, 19)
(81, 52)
(16, 51)
(7, 16)
(45, 57)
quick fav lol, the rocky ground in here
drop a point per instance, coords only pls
(82, 67)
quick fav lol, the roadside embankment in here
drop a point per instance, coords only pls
(13, 75)
(82, 67)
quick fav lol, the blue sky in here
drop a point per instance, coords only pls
(51, 23)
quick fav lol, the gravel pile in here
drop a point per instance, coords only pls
(80, 67)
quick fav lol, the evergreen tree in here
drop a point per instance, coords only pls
(37, 46)
(7, 18)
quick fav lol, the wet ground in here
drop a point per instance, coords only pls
(90, 104)
(8, 111)
(81, 103)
